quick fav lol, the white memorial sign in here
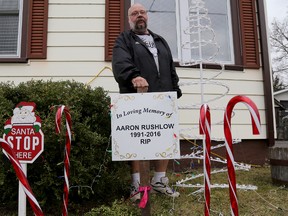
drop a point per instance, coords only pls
(145, 126)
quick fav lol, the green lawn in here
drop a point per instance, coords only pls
(268, 199)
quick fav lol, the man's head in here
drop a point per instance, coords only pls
(137, 16)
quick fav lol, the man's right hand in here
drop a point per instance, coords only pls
(140, 84)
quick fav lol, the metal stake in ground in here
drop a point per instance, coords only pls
(144, 182)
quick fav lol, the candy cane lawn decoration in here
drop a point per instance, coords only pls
(205, 128)
(66, 153)
(228, 141)
(22, 177)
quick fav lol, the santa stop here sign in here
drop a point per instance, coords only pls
(23, 133)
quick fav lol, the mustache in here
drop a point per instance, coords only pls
(140, 19)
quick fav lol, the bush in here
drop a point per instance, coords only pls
(92, 173)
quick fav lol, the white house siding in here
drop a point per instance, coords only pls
(230, 83)
(75, 46)
(76, 32)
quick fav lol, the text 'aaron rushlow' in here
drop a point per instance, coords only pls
(144, 127)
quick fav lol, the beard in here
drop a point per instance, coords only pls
(140, 26)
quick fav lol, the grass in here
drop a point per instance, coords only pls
(268, 199)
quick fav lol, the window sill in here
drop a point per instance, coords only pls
(214, 66)
(13, 60)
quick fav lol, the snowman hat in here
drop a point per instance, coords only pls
(27, 105)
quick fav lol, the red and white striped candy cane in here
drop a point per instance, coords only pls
(22, 177)
(205, 128)
(66, 153)
(255, 117)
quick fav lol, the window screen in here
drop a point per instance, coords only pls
(217, 31)
(9, 27)
(170, 18)
(162, 20)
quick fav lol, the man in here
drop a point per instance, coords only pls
(142, 61)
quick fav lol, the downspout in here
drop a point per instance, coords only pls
(267, 75)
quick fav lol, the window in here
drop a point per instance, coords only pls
(178, 21)
(10, 25)
(205, 29)
(233, 21)
(23, 29)
(162, 20)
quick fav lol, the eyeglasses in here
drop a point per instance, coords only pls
(137, 13)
